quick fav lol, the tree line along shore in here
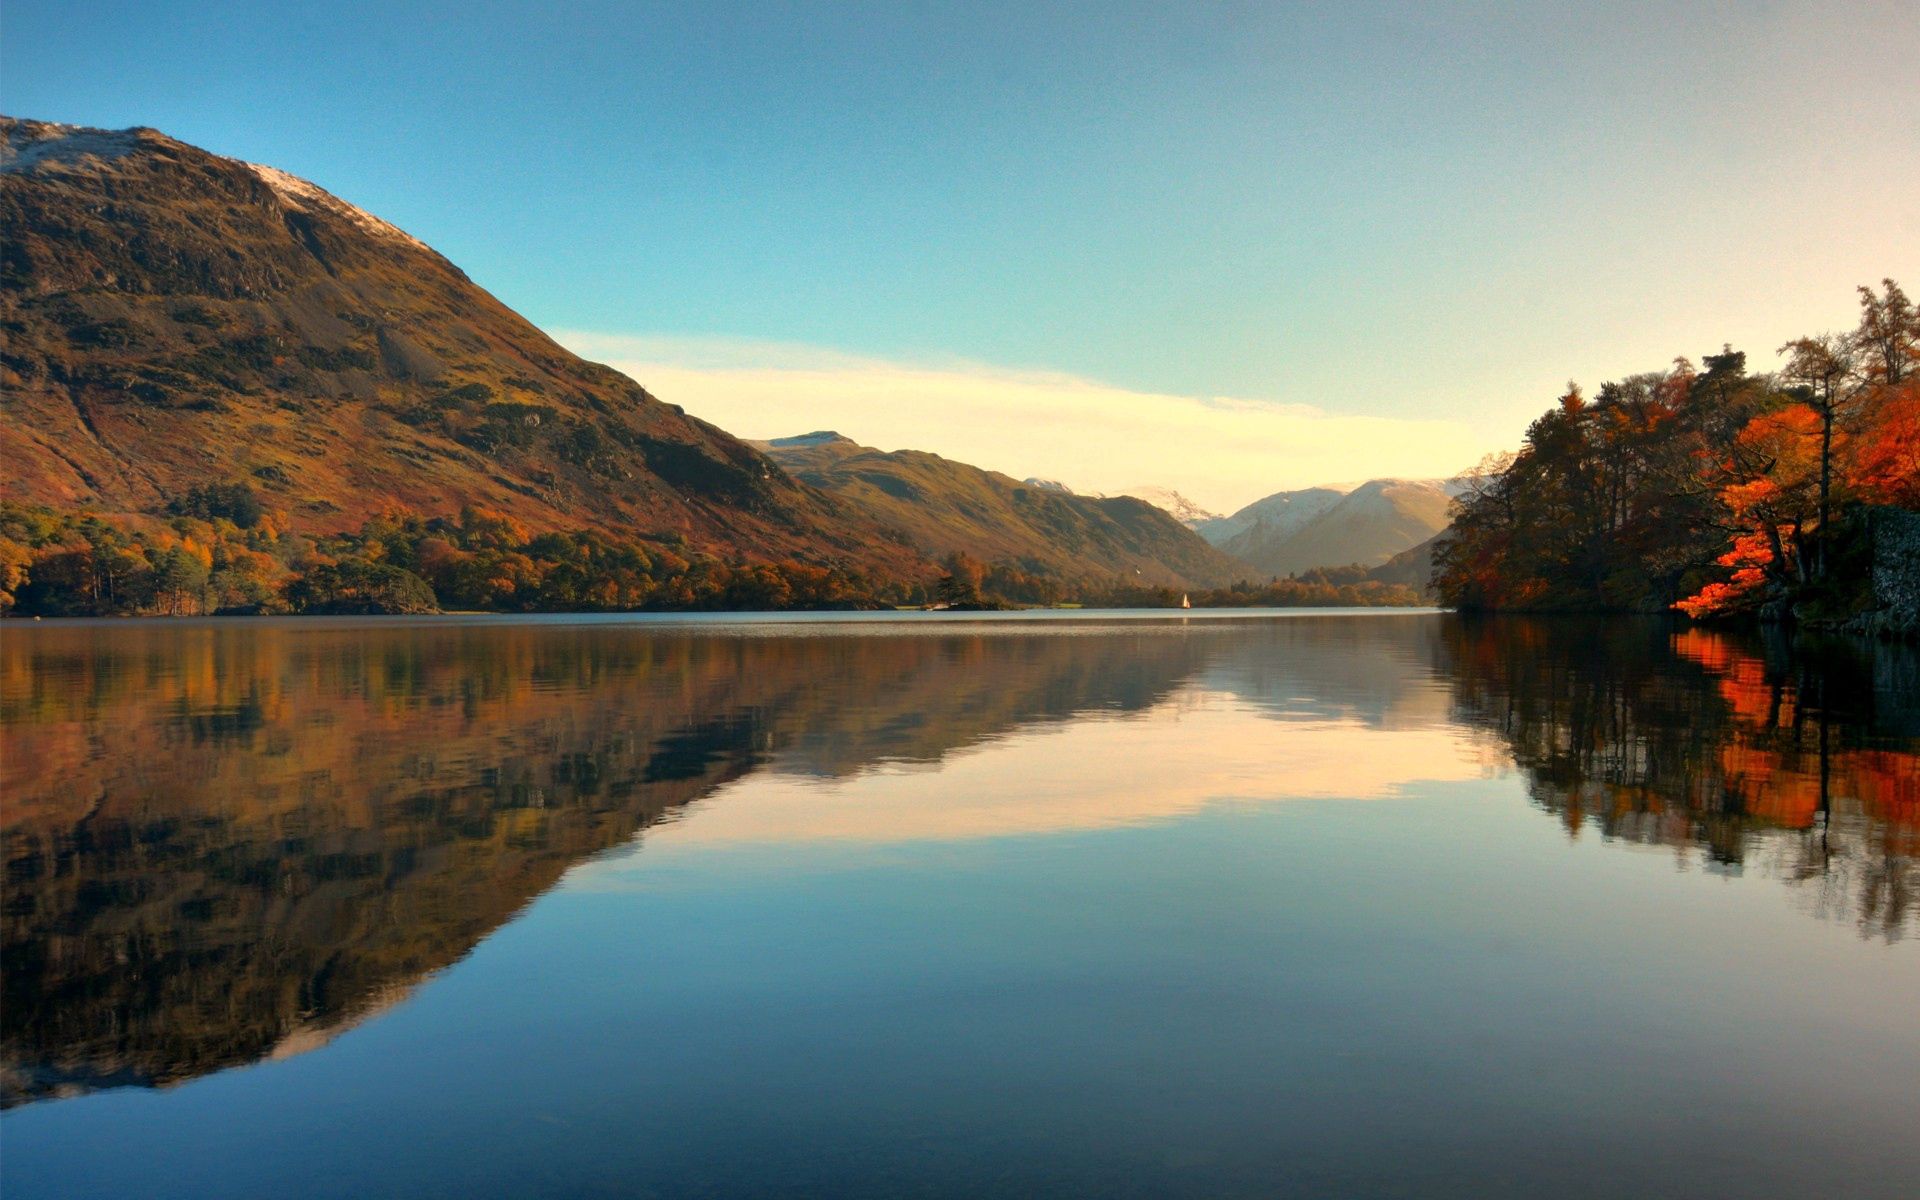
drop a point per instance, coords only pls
(1715, 491)
(220, 551)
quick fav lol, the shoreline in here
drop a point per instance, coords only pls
(746, 617)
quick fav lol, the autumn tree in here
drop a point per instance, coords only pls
(1888, 338)
(1884, 463)
(1704, 489)
(1884, 467)
(962, 579)
(1824, 372)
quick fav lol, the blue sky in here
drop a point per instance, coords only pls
(1391, 215)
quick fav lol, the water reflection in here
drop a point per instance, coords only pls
(1793, 759)
(225, 841)
(228, 842)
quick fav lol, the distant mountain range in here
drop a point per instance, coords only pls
(1037, 525)
(1291, 532)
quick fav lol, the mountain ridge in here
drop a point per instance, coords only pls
(1036, 525)
(1331, 525)
(1366, 526)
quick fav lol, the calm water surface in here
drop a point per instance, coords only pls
(1358, 905)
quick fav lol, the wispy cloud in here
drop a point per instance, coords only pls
(1220, 451)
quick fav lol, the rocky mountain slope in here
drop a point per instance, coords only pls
(945, 506)
(173, 319)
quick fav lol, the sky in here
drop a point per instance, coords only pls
(1226, 248)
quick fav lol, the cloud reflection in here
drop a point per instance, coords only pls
(1199, 749)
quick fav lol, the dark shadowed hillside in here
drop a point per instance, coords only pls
(1414, 567)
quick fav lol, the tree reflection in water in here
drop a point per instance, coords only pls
(1792, 758)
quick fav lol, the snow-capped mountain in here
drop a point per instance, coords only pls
(1184, 510)
(50, 146)
(1273, 516)
(297, 195)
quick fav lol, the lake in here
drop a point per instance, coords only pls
(1224, 904)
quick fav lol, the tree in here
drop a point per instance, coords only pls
(1825, 371)
(1885, 463)
(961, 583)
(179, 581)
(1704, 489)
(355, 585)
(237, 502)
(1888, 338)
(16, 561)
(1770, 500)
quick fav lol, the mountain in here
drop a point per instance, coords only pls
(1184, 510)
(175, 319)
(1268, 519)
(945, 506)
(820, 437)
(1291, 532)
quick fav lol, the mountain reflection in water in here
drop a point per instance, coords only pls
(230, 841)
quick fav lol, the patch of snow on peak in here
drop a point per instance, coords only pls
(301, 196)
(1048, 485)
(25, 145)
(1183, 510)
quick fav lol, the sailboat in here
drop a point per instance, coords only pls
(1184, 602)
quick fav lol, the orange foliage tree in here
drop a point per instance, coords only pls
(1884, 465)
(1706, 491)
